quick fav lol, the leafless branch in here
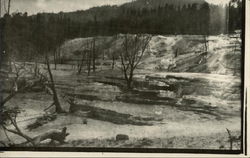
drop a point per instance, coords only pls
(134, 48)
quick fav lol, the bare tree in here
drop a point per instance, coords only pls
(6, 8)
(112, 53)
(9, 114)
(94, 53)
(0, 8)
(56, 49)
(176, 52)
(88, 58)
(232, 139)
(53, 89)
(86, 55)
(133, 49)
(20, 83)
(113, 62)
(9, 118)
(236, 62)
(55, 52)
(205, 41)
(9, 3)
(17, 85)
(8, 36)
(81, 62)
(8, 121)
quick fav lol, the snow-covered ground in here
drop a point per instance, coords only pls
(192, 96)
(223, 55)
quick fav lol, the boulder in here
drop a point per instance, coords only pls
(120, 137)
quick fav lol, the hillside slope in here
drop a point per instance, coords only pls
(159, 3)
(107, 12)
(182, 53)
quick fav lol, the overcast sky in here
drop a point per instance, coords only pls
(35, 6)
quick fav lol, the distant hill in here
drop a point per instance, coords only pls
(154, 17)
(103, 13)
(160, 3)
(140, 16)
(107, 12)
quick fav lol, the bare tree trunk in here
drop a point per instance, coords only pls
(131, 56)
(0, 9)
(55, 96)
(113, 62)
(55, 58)
(16, 129)
(81, 63)
(20, 133)
(93, 55)
(205, 43)
(230, 139)
(36, 69)
(9, 7)
(89, 62)
(130, 79)
(235, 61)
(59, 55)
(129, 84)
(176, 53)
(10, 65)
(103, 54)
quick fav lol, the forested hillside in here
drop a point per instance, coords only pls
(24, 34)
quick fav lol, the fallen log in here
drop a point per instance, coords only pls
(53, 135)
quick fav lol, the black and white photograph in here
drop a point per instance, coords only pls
(122, 75)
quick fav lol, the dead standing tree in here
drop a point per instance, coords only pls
(3, 6)
(10, 115)
(18, 85)
(53, 89)
(86, 54)
(232, 139)
(0, 8)
(6, 31)
(113, 53)
(8, 120)
(94, 54)
(205, 41)
(81, 62)
(89, 61)
(133, 49)
(9, 2)
(91, 55)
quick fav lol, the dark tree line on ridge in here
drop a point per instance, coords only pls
(28, 37)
